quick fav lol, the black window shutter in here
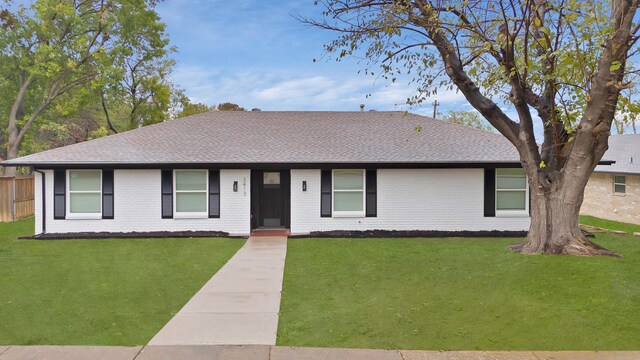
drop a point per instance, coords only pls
(325, 193)
(214, 193)
(107, 194)
(59, 190)
(489, 192)
(529, 194)
(371, 200)
(167, 194)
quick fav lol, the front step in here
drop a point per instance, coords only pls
(271, 232)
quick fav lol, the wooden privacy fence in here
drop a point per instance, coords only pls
(16, 198)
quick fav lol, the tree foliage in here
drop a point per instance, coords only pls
(467, 118)
(189, 108)
(141, 77)
(566, 61)
(57, 52)
(227, 106)
(627, 118)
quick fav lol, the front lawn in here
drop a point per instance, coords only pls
(458, 293)
(98, 292)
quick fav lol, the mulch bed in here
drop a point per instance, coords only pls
(408, 234)
(128, 235)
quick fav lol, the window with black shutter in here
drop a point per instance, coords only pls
(107, 194)
(371, 190)
(214, 193)
(167, 194)
(489, 192)
(325, 193)
(59, 194)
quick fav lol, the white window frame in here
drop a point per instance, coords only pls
(190, 215)
(624, 184)
(338, 213)
(512, 213)
(81, 216)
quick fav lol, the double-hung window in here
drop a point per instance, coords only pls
(84, 189)
(619, 184)
(191, 189)
(348, 193)
(512, 191)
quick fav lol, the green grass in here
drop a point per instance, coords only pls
(609, 224)
(458, 294)
(98, 292)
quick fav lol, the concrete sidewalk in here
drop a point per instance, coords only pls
(239, 305)
(262, 352)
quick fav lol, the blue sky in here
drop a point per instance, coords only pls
(256, 54)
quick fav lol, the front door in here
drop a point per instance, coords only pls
(270, 194)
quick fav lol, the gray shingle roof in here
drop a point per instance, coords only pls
(287, 137)
(625, 151)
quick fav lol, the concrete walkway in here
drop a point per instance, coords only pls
(262, 352)
(239, 305)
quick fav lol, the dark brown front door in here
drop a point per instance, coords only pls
(270, 194)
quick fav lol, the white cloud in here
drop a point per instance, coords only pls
(318, 92)
(279, 90)
(275, 89)
(389, 95)
(297, 88)
(448, 97)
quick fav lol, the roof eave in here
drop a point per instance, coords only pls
(616, 172)
(257, 165)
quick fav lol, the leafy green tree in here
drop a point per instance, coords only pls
(227, 106)
(189, 108)
(141, 79)
(628, 115)
(66, 48)
(467, 118)
(6, 18)
(566, 60)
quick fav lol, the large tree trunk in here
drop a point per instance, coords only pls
(13, 132)
(13, 148)
(555, 227)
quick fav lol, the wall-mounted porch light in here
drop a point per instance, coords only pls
(235, 186)
(304, 186)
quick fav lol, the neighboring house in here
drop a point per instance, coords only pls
(613, 191)
(308, 172)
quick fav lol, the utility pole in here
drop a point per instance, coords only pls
(435, 108)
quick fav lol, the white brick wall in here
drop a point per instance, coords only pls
(408, 199)
(137, 206)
